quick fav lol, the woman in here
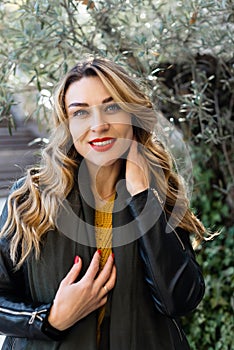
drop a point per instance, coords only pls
(95, 246)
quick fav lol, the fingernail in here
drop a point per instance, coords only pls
(113, 256)
(76, 260)
(99, 251)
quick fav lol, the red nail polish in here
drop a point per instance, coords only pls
(76, 260)
(113, 256)
(99, 251)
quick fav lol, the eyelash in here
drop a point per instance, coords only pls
(112, 108)
(79, 113)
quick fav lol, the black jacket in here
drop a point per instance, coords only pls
(158, 280)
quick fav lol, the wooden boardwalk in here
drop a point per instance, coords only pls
(16, 154)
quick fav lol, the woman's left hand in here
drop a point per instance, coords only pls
(137, 175)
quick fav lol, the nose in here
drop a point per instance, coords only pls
(98, 123)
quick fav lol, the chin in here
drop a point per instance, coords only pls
(104, 162)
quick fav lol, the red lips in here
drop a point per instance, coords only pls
(102, 144)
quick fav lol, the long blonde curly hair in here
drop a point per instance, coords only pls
(33, 207)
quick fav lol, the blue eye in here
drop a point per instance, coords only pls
(81, 113)
(114, 107)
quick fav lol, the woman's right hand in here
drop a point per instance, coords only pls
(75, 300)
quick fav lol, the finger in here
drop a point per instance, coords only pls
(106, 271)
(73, 273)
(133, 150)
(135, 158)
(94, 265)
(112, 280)
(110, 283)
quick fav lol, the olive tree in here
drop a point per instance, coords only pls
(182, 52)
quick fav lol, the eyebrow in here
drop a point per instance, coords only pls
(83, 104)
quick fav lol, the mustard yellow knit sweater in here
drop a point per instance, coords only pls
(103, 230)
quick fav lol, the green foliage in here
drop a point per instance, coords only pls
(182, 51)
(211, 325)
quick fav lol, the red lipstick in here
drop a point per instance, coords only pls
(102, 144)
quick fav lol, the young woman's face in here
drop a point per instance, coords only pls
(101, 130)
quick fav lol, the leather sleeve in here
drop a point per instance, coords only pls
(171, 271)
(19, 317)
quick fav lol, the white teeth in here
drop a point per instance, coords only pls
(102, 143)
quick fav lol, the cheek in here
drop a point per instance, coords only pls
(124, 125)
(128, 132)
(77, 130)
(125, 139)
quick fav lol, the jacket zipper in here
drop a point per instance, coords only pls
(34, 314)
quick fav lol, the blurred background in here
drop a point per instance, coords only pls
(183, 54)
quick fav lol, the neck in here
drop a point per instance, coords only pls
(104, 179)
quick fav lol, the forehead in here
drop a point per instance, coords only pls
(89, 90)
